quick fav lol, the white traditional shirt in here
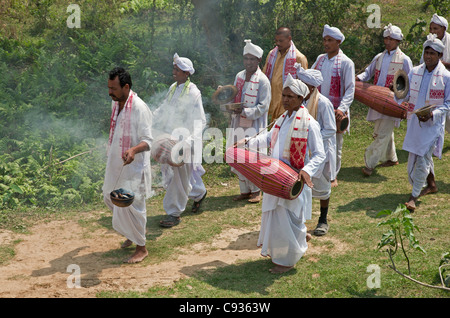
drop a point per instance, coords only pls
(135, 176)
(182, 109)
(327, 123)
(421, 136)
(312, 165)
(369, 72)
(347, 74)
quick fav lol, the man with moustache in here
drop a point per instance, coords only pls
(182, 109)
(429, 85)
(338, 85)
(254, 93)
(279, 63)
(128, 163)
(383, 68)
(296, 140)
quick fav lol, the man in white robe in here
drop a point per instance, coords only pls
(383, 68)
(182, 116)
(338, 72)
(283, 235)
(321, 109)
(439, 26)
(128, 163)
(429, 85)
(254, 94)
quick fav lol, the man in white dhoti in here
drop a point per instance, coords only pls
(383, 68)
(338, 73)
(321, 109)
(296, 140)
(254, 93)
(181, 116)
(429, 85)
(128, 163)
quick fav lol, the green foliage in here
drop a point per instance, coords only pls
(402, 227)
(444, 266)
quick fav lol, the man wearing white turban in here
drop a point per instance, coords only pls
(279, 63)
(321, 109)
(181, 115)
(429, 85)
(439, 26)
(254, 93)
(295, 139)
(383, 68)
(338, 85)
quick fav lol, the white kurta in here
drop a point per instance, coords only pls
(327, 123)
(136, 176)
(383, 146)
(283, 232)
(347, 74)
(257, 114)
(182, 111)
(424, 137)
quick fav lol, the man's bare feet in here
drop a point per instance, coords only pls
(428, 190)
(411, 204)
(389, 163)
(278, 269)
(138, 256)
(367, 171)
(308, 237)
(334, 183)
(126, 244)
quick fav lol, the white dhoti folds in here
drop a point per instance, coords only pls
(130, 221)
(181, 184)
(383, 146)
(419, 167)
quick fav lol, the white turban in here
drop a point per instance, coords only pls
(310, 76)
(433, 42)
(297, 86)
(440, 21)
(334, 32)
(183, 63)
(252, 49)
(393, 31)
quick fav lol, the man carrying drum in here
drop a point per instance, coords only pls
(181, 115)
(321, 109)
(296, 140)
(429, 85)
(338, 72)
(128, 162)
(253, 91)
(383, 68)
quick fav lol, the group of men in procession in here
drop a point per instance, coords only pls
(294, 109)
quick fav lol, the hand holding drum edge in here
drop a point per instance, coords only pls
(303, 175)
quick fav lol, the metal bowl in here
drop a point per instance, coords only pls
(121, 197)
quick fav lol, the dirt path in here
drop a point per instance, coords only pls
(40, 265)
(42, 259)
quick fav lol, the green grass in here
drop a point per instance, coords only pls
(339, 270)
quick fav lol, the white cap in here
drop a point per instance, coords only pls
(393, 31)
(183, 63)
(433, 42)
(310, 76)
(440, 21)
(252, 49)
(297, 86)
(334, 32)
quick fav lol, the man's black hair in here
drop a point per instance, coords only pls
(124, 76)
